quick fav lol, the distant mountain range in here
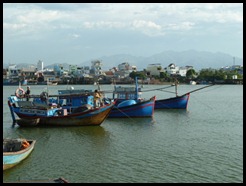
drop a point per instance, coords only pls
(197, 59)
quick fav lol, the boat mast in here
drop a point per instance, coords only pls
(176, 87)
(48, 86)
(136, 87)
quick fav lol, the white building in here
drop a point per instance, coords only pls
(154, 69)
(124, 66)
(134, 68)
(182, 71)
(172, 69)
(40, 65)
(124, 70)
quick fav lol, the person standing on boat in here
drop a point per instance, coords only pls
(27, 94)
(96, 98)
(101, 98)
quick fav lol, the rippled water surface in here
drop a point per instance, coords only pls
(201, 144)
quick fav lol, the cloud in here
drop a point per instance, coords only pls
(149, 19)
(75, 36)
(181, 27)
(103, 25)
(14, 26)
(137, 26)
(147, 27)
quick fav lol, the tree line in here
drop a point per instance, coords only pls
(204, 75)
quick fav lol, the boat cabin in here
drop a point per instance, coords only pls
(75, 98)
(127, 93)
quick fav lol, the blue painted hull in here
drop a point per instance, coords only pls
(141, 109)
(11, 159)
(179, 102)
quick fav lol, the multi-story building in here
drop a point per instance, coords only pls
(40, 65)
(58, 69)
(172, 69)
(73, 70)
(96, 68)
(124, 66)
(154, 69)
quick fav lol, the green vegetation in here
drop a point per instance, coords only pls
(205, 75)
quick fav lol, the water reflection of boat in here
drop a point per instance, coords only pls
(90, 131)
(133, 121)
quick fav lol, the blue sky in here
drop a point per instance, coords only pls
(77, 32)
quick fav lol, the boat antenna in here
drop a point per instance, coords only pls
(136, 88)
(67, 83)
(98, 85)
(48, 86)
(176, 87)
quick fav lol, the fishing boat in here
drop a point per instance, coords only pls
(127, 101)
(177, 102)
(68, 108)
(130, 104)
(15, 151)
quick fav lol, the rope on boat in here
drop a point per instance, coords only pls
(202, 103)
(124, 114)
(167, 91)
(157, 89)
(198, 89)
(161, 89)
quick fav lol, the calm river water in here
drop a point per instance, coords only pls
(203, 144)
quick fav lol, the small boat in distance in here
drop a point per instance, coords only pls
(52, 83)
(192, 83)
(15, 151)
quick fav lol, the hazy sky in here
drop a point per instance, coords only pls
(74, 33)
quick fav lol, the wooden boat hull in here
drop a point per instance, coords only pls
(11, 159)
(28, 122)
(141, 109)
(92, 117)
(179, 102)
